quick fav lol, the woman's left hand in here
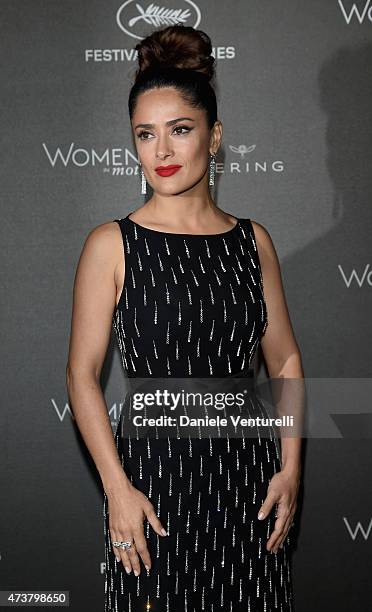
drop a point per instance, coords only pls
(282, 490)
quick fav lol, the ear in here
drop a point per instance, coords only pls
(216, 137)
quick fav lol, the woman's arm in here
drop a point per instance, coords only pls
(283, 360)
(94, 298)
(280, 349)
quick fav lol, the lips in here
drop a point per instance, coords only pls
(167, 170)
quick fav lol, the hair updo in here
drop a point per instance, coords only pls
(177, 56)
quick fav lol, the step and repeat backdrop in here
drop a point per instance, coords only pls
(294, 88)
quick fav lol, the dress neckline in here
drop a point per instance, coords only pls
(152, 231)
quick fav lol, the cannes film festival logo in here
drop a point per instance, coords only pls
(137, 19)
(357, 11)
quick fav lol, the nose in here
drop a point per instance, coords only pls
(163, 149)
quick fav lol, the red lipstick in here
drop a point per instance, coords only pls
(167, 170)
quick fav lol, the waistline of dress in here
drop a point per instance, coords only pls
(224, 384)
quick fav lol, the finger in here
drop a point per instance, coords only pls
(138, 548)
(130, 553)
(115, 549)
(280, 522)
(287, 527)
(141, 547)
(134, 559)
(154, 520)
(125, 560)
(267, 505)
(120, 552)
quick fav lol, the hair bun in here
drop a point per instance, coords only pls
(176, 46)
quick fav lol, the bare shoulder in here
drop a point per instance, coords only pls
(104, 241)
(101, 236)
(265, 245)
(101, 257)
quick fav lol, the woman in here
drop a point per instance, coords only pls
(182, 283)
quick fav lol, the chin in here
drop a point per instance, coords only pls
(171, 188)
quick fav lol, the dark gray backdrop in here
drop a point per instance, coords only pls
(294, 89)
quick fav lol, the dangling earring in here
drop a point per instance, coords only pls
(212, 168)
(143, 183)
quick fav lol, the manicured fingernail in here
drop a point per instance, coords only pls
(127, 569)
(261, 515)
(136, 572)
(163, 531)
(117, 559)
(147, 567)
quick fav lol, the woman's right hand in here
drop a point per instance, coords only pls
(128, 507)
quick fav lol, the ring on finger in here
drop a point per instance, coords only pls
(125, 545)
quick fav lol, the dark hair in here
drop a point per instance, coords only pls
(177, 56)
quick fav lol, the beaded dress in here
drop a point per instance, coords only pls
(193, 305)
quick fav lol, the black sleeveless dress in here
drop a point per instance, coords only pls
(193, 306)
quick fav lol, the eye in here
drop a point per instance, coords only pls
(183, 127)
(144, 134)
(141, 134)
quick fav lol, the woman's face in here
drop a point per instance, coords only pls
(168, 131)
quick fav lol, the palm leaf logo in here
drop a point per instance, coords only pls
(157, 15)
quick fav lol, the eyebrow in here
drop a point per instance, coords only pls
(171, 122)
